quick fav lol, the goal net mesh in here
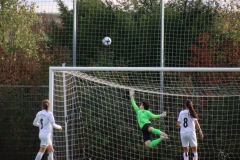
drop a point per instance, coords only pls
(99, 121)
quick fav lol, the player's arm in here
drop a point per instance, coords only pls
(199, 129)
(56, 126)
(179, 121)
(179, 124)
(52, 121)
(154, 115)
(35, 122)
(131, 94)
(157, 116)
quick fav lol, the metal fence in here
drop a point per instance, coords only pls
(19, 105)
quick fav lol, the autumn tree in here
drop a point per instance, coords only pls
(25, 48)
(17, 20)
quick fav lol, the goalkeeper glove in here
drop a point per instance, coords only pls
(131, 93)
(163, 114)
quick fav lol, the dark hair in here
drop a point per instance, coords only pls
(45, 104)
(145, 105)
(189, 105)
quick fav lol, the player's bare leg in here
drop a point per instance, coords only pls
(156, 141)
(40, 153)
(50, 152)
(185, 153)
(195, 154)
(147, 143)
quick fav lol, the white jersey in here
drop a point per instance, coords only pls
(187, 122)
(45, 121)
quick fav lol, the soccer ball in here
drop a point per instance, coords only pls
(106, 41)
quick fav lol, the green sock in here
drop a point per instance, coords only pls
(156, 131)
(155, 142)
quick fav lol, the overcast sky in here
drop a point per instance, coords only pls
(50, 6)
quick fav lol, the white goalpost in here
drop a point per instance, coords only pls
(99, 123)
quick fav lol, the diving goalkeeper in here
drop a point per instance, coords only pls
(143, 116)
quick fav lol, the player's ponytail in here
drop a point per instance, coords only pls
(189, 105)
(45, 104)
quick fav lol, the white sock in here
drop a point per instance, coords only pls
(195, 156)
(50, 156)
(185, 155)
(39, 156)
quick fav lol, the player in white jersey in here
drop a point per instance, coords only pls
(187, 120)
(45, 121)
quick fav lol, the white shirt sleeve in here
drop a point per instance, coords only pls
(52, 121)
(56, 126)
(35, 122)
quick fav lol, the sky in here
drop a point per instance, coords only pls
(50, 6)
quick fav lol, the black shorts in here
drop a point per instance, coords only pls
(147, 135)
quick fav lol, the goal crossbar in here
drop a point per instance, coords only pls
(182, 69)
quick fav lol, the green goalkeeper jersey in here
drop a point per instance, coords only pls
(143, 116)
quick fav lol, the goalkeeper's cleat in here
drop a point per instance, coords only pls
(163, 137)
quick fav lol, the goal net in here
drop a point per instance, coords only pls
(93, 106)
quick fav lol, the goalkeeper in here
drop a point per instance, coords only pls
(143, 116)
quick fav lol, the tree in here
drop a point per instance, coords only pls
(227, 26)
(19, 41)
(25, 49)
(133, 32)
(16, 22)
(188, 19)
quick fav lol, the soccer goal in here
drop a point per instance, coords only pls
(99, 123)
